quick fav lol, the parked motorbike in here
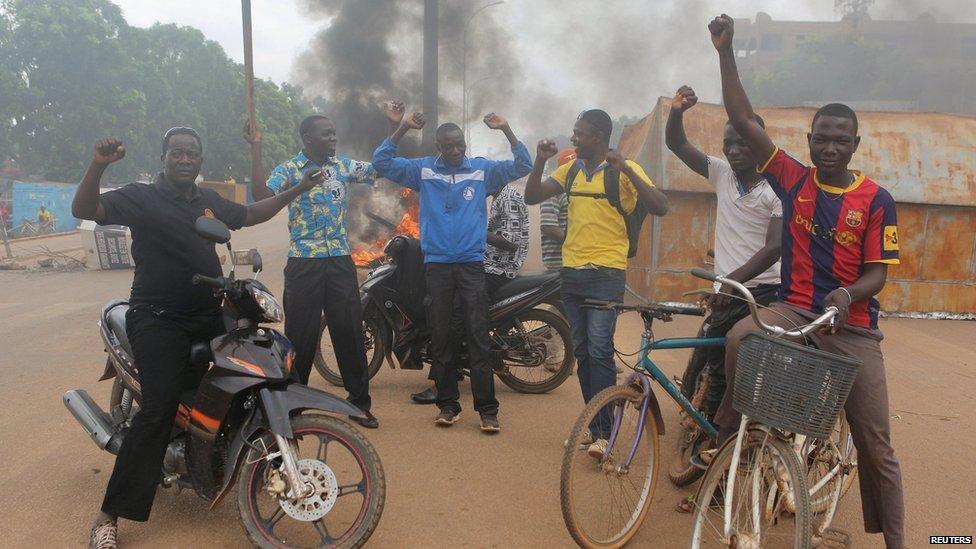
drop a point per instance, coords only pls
(249, 422)
(531, 342)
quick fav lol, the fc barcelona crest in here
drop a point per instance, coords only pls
(854, 218)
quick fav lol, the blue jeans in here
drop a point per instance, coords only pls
(593, 332)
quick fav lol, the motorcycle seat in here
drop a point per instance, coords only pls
(524, 282)
(116, 323)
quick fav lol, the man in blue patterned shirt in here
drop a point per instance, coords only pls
(320, 275)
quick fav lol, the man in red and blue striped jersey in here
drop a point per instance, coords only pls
(839, 236)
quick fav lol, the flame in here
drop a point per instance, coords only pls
(366, 254)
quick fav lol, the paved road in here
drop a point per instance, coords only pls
(446, 488)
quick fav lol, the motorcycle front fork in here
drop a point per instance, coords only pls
(296, 488)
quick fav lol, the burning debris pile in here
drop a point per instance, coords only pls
(368, 251)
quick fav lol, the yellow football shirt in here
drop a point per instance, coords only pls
(596, 233)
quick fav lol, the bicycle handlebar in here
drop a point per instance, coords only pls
(826, 319)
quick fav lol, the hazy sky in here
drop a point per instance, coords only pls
(617, 54)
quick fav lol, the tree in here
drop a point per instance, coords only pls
(72, 71)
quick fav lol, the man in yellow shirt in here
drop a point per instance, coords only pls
(596, 245)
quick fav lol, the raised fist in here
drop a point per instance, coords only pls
(415, 121)
(722, 29)
(394, 110)
(546, 149)
(684, 99)
(615, 159)
(108, 150)
(495, 121)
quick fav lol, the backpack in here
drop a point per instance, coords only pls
(611, 193)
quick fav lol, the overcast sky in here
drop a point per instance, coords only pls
(653, 46)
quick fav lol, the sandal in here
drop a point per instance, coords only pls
(686, 506)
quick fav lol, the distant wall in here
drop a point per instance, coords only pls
(926, 160)
(27, 199)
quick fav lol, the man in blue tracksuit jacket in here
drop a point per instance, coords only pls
(453, 223)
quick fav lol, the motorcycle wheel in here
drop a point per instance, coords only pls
(535, 327)
(325, 361)
(344, 469)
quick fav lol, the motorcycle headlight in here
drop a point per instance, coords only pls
(270, 308)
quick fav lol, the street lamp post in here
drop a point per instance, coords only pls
(464, 66)
(467, 93)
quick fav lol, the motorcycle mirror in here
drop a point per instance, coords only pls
(212, 229)
(256, 262)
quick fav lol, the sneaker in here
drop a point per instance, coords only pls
(104, 535)
(585, 443)
(447, 418)
(598, 449)
(489, 423)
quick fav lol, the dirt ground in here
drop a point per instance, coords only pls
(445, 487)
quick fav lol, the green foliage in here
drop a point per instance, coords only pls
(72, 71)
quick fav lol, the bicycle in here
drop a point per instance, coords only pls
(627, 471)
(789, 471)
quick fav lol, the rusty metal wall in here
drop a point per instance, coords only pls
(926, 160)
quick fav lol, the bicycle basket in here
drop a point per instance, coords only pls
(790, 386)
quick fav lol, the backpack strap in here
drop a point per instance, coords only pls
(574, 169)
(611, 186)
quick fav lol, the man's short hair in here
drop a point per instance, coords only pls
(444, 128)
(181, 130)
(600, 121)
(309, 121)
(838, 110)
(759, 120)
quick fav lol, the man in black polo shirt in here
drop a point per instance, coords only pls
(167, 311)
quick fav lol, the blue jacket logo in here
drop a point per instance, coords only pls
(468, 193)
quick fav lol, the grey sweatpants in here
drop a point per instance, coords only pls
(867, 413)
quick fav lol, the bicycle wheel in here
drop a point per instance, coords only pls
(680, 470)
(604, 502)
(829, 457)
(769, 480)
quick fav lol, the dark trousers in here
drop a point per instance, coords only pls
(593, 332)
(161, 345)
(720, 322)
(465, 282)
(329, 285)
(879, 473)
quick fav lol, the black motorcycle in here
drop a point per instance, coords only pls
(249, 421)
(531, 343)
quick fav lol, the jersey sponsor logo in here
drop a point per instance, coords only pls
(844, 238)
(468, 193)
(801, 199)
(854, 218)
(891, 238)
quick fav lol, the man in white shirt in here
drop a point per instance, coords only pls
(748, 221)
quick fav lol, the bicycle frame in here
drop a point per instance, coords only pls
(647, 368)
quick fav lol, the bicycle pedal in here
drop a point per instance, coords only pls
(835, 539)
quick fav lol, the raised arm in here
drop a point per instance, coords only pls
(505, 171)
(87, 204)
(734, 96)
(649, 196)
(387, 164)
(263, 210)
(674, 132)
(537, 190)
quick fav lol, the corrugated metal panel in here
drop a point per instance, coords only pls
(921, 158)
